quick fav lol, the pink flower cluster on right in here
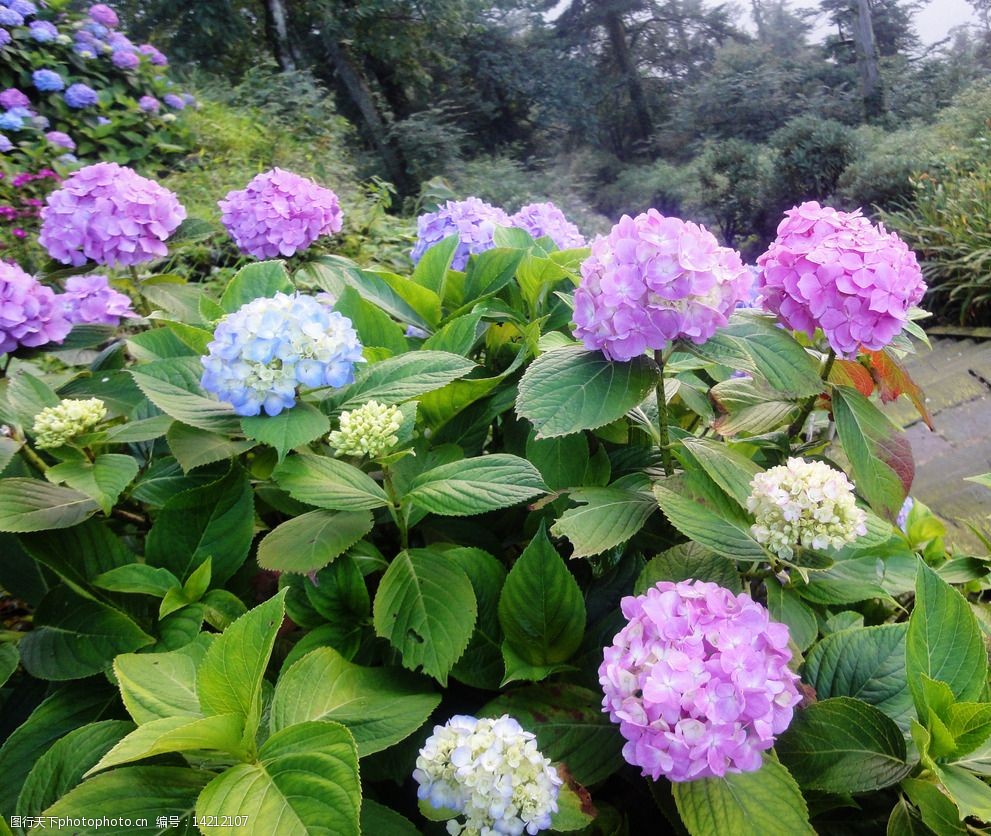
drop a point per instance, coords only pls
(698, 681)
(839, 272)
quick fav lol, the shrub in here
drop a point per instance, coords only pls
(811, 155)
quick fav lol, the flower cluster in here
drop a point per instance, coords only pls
(370, 430)
(263, 351)
(540, 219)
(698, 681)
(653, 280)
(47, 81)
(109, 214)
(22, 203)
(839, 272)
(803, 503)
(492, 772)
(80, 96)
(30, 313)
(280, 213)
(472, 220)
(58, 425)
(89, 300)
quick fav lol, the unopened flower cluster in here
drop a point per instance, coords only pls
(370, 430)
(58, 425)
(803, 503)
(474, 222)
(698, 681)
(31, 314)
(492, 772)
(653, 280)
(263, 351)
(280, 213)
(109, 214)
(839, 272)
(546, 219)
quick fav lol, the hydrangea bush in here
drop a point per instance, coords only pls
(526, 538)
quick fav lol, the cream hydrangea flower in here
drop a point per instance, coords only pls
(803, 503)
(57, 425)
(370, 430)
(491, 771)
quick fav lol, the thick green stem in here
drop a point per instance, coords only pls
(809, 405)
(398, 513)
(662, 416)
(34, 458)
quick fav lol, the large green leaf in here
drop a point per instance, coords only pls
(329, 483)
(310, 541)
(157, 685)
(425, 606)
(608, 517)
(74, 637)
(843, 745)
(474, 486)
(304, 782)
(33, 505)
(866, 663)
(685, 562)
(9, 660)
(375, 328)
(380, 706)
(938, 811)
(570, 725)
(729, 469)
(944, 641)
(541, 608)
(174, 387)
(194, 447)
(380, 820)
(481, 664)
(568, 390)
(289, 429)
(102, 479)
(490, 271)
(762, 802)
(262, 279)
(562, 461)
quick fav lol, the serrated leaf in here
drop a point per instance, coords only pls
(262, 279)
(609, 516)
(157, 685)
(102, 479)
(289, 429)
(33, 505)
(731, 470)
(474, 486)
(329, 483)
(310, 541)
(138, 578)
(893, 380)
(194, 447)
(173, 386)
(688, 561)
(481, 665)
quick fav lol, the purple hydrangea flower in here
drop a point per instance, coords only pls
(12, 97)
(149, 104)
(156, 57)
(653, 280)
(698, 681)
(109, 214)
(102, 13)
(30, 314)
(43, 31)
(80, 96)
(540, 219)
(25, 8)
(47, 80)
(125, 60)
(280, 213)
(5, 38)
(189, 100)
(5, 144)
(62, 140)
(174, 101)
(91, 301)
(472, 220)
(8, 17)
(839, 272)
(84, 50)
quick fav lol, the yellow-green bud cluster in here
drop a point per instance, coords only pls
(370, 430)
(57, 425)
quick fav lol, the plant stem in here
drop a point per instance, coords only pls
(662, 415)
(34, 458)
(397, 507)
(799, 422)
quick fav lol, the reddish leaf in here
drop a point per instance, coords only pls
(893, 380)
(852, 373)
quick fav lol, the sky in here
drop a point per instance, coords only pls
(932, 23)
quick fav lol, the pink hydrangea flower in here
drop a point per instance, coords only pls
(30, 313)
(839, 272)
(653, 280)
(102, 13)
(280, 213)
(698, 681)
(109, 214)
(90, 300)
(540, 219)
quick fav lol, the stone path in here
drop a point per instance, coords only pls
(956, 379)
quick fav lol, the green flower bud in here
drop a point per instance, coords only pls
(370, 430)
(57, 425)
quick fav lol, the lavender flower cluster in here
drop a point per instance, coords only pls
(30, 313)
(698, 681)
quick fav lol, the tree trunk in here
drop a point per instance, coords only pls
(867, 61)
(277, 30)
(621, 52)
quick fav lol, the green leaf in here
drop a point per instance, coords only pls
(229, 679)
(174, 387)
(971, 795)
(380, 706)
(194, 448)
(788, 608)
(310, 541)
(458, 336)
(575, 812)
(289, 429)
(568, 390)
(867, 663)
(157, 685)
(220, 732)
(562, 461)
(102, 479)
(541, 608)
(73, 637)
(481, 665)
(33, 505)
(139, 578)
(262, 279)
(843, 745)
(938, 812)
(146, 429)
(304, 782)
(380, 820)
(570, 725)
(879, 453)
(765, 801)
(431, 270)
(609, 516)
(27, 395)
(9, 660)
(731, 470)
(426, 608)
(134, 793)
(944, 641)
(490, 271)
(473, 486)
(374, 327)
(329, 483)
(685, 562)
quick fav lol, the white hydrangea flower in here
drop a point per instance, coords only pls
(490, 771)
(803, 503)
(57, 425)
(370, 430)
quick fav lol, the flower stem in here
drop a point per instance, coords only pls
(799, 422)
(398, 514)
(662, 416)
(33, 458)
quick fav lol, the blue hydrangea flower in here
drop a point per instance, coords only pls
(47, 80)
(264, 351)
(5, 144)
(8, 17)
(79, 96)
(10, 121)
(5, 38)
(25, 8)
(43, 31)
